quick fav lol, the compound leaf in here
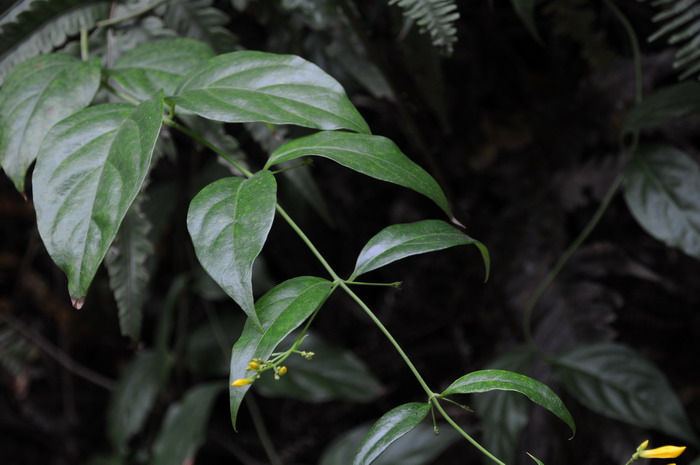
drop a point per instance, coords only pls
(249, 86)
(281, 310)
(38, 94)
(90, 168)
(374, 156)
(229, 221)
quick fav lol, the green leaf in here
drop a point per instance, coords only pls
(420, 446)
(134, 396)
(332, 374)
(153, 66)
(229, 221)
(538, 461)
(501, 380)
(504, 414)
(525, 9)
(128, 272)
(390, 427)
(669, 103)
(662, 189)
(90, 168)
(374, 156)
(281, 310)
(184, 426)
(404, 240)
(249, 86)
(617, 382)
(37, 94)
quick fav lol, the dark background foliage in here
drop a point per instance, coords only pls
(523, 137)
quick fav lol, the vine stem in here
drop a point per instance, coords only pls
(84, 54)
(132, 15)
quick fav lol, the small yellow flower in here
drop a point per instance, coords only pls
(282, 370)
(242, 382)
(665, 452)
(253, 365)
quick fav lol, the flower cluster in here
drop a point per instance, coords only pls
(664, 452)
(258, 366)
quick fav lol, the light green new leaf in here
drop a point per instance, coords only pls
(501, 380)
(250, 86)
(669, 103)
(134, 396)
(619, 383)
(184, 426)
(375, 156)
(153, 66)
(281, 310)
(332, 374)
(404, 240)
(662, 190)
(36, 95)
(229, 221)
(90, 168)
(390, 427)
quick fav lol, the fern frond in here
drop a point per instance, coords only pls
(680, 23)
(437, 17)
(197, 19)
(43, 25)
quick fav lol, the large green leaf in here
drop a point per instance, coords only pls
(153, 66)
(404, 240)
(332, 374)
(662, 189)
(281, 310)
(502, 380)
(420, 446)
(390, 427)
(184, 426)
(249, 86)
(37, 94)
(134, 396)
(90, 168)
(229, 221)
(669, 103)
(619, 383)
(375, 156)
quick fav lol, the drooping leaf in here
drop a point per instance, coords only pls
(617, 382)
(504, 414)
(250, 86)
(90, 168)
(281, 310)
(332, 374)
(374, 156)
(420, 446)
(404, 240)
(135, 395)
(153, 66)
(525, 9)
(662, 188)
(502, 380)
(37, 94)
(390, 427)
(669, 103)
(197, 19)
(229, 221)
(184, 426)
(435, 16)
(128, 274)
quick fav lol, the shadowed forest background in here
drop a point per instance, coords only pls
(524, 136)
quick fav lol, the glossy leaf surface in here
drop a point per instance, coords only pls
(390, 427)
(90, 168)
(184, 426)
(281, 310)
(248, 86)
(332, 374)
(502, 380)
(619, 383)
(36, 95)
(374, 156)
(153, 66)
(662, 190)
(229, 221)
(404, 240)
(134, 396)
(669, 103)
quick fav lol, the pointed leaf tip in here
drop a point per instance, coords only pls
(456, 222)
(77, 302)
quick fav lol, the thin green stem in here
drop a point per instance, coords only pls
(360, 283)
(452, 423)
(84, 55)
(462, 406)
(554, 272)
(260, 428)
(132, 15)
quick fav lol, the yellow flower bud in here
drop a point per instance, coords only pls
(664, 452)
(242, 382)
(643, 446)
(282, 370)
(253, 365)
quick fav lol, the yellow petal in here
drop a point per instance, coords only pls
(665, 452)
(242, 382)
